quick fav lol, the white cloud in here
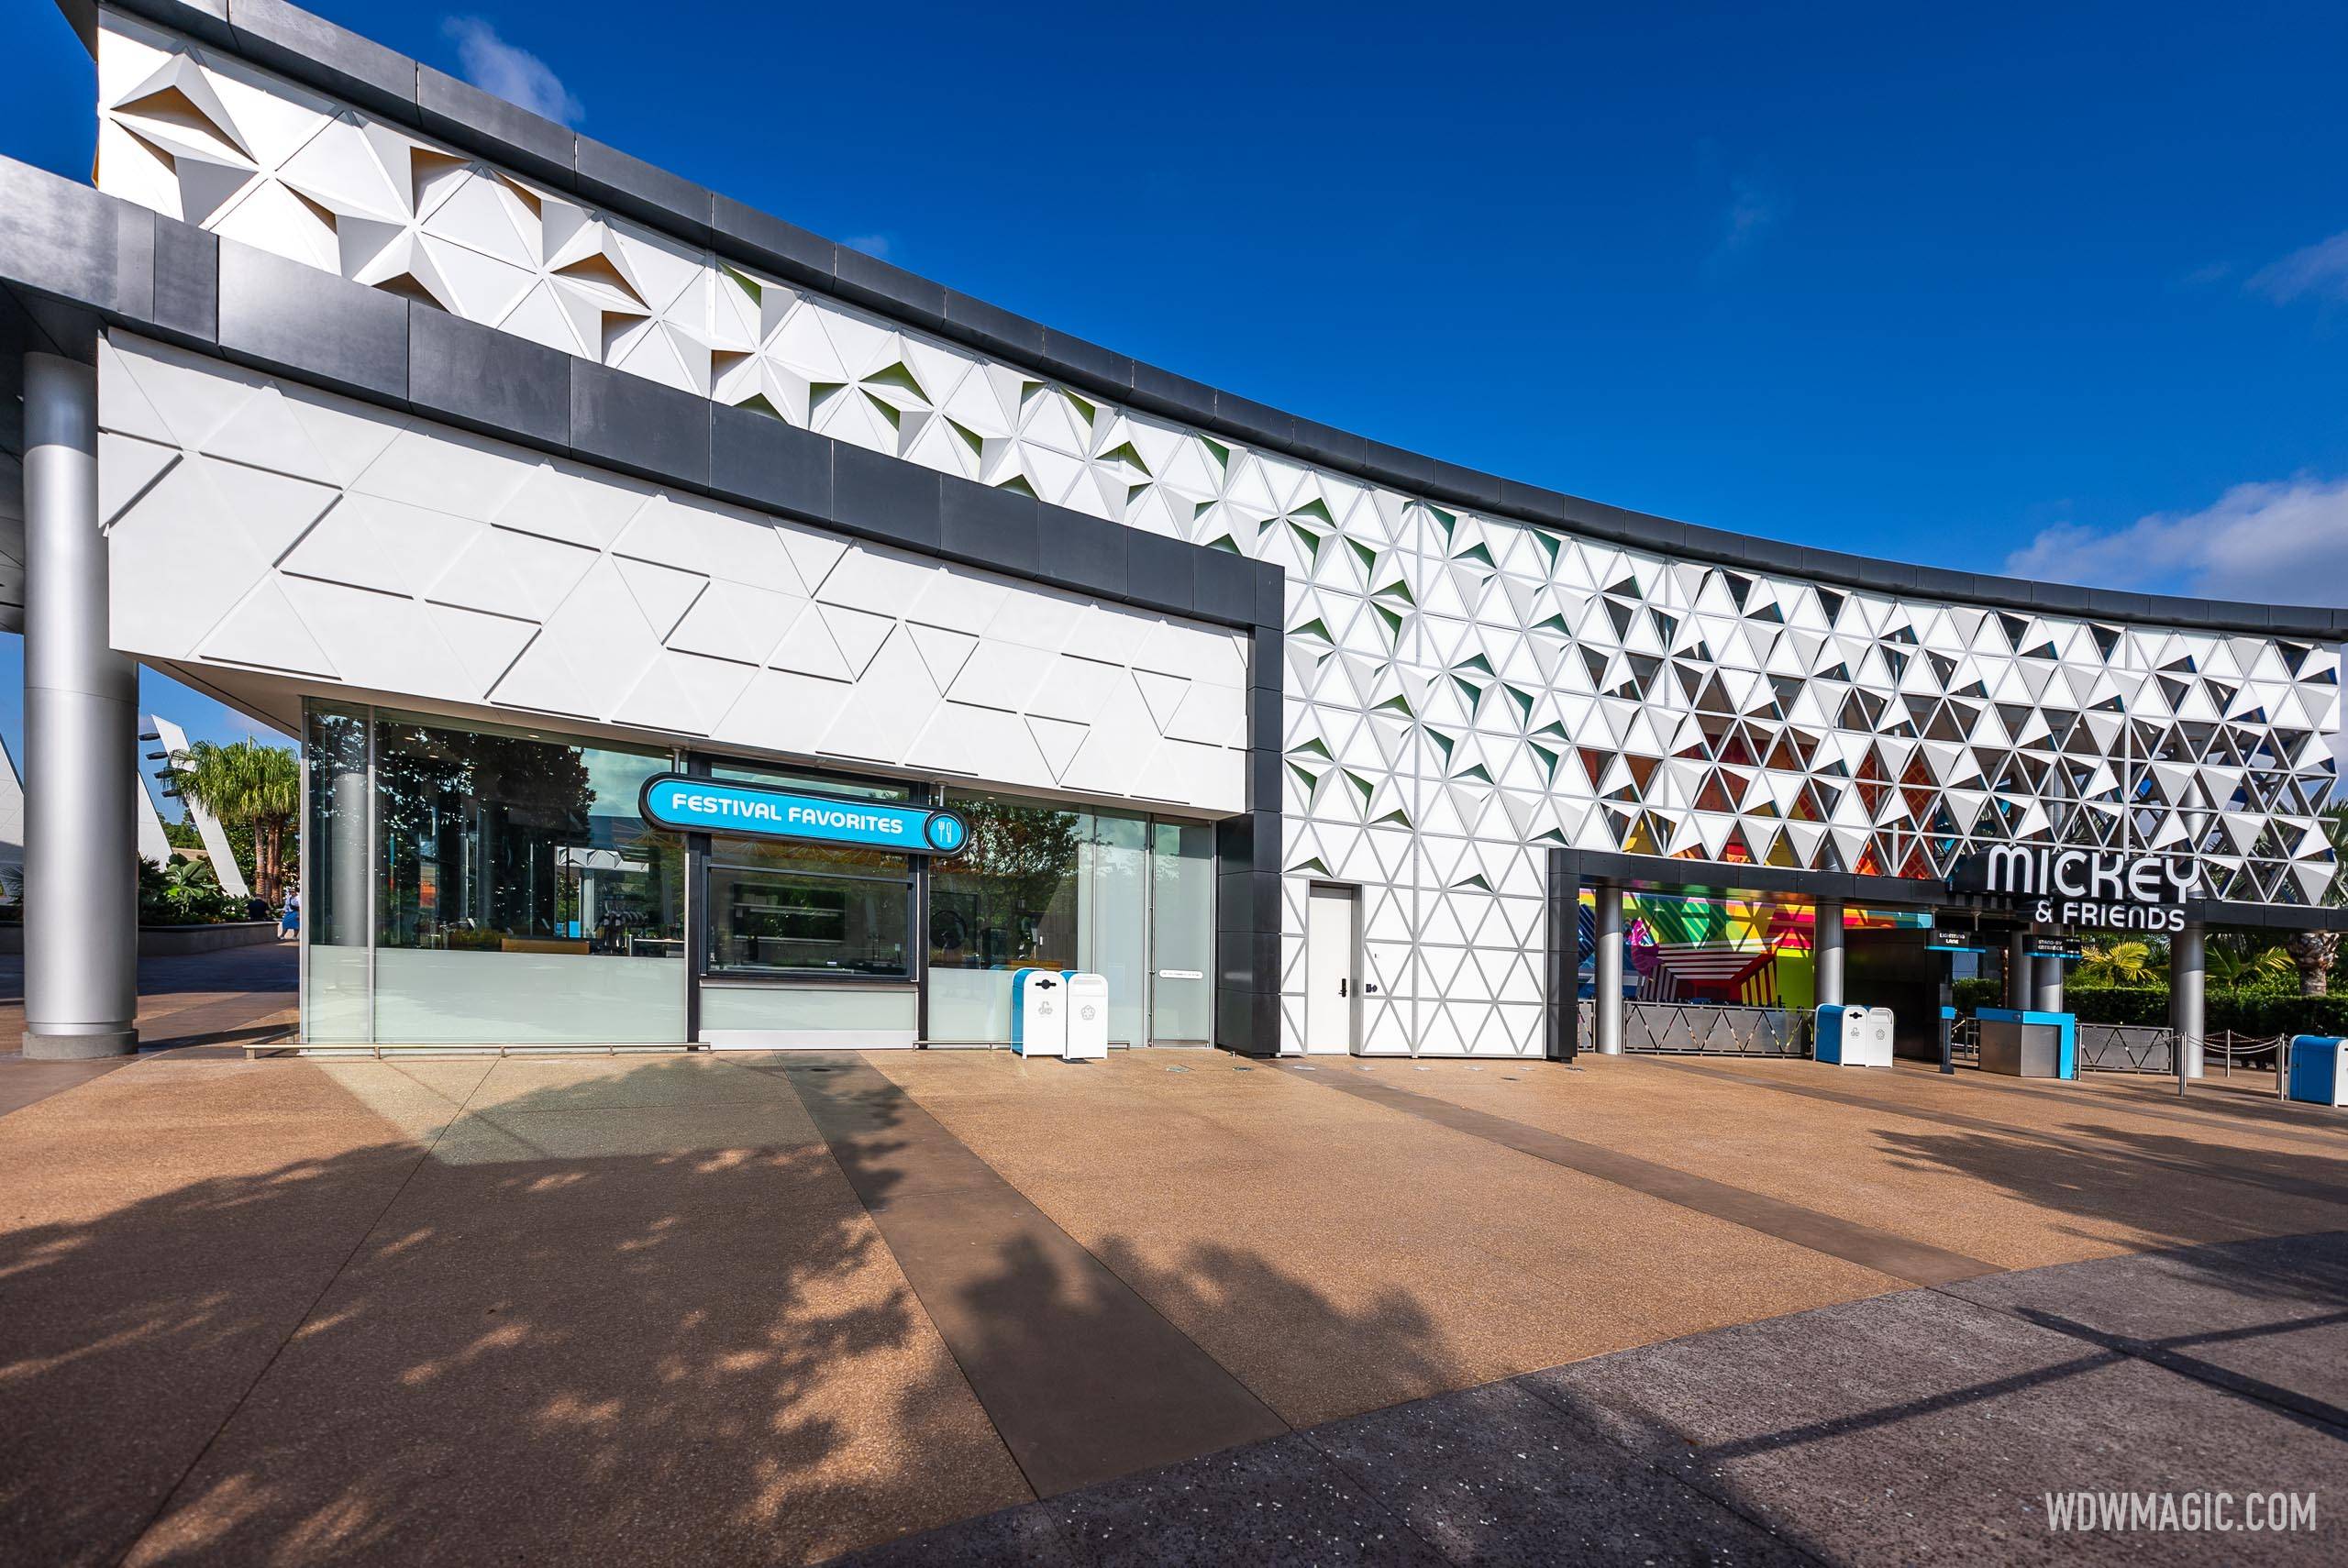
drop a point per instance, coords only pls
(513, 74)
(2278, 544)
(873, 245)
(2267, 544)
(2320, 269)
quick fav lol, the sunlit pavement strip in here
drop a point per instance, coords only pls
(1898, 1256)
(2304, 1134)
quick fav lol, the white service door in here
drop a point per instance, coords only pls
(1329, 981)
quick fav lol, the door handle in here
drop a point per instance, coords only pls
(1344, 989)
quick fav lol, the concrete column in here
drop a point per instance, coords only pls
(81, 740)
(1607, 970)
(2050, 986)
(1826, 951)
(2187, 961)
(2022, 974)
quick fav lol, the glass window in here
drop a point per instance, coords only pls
(1112, 898)
(814, 783)
(783, 915)
(502, 841)
(1181, 931)
(520, 897)
(1008, 902)
(1039, 887)
(777, 907)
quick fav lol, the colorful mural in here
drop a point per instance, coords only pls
(1751, 951)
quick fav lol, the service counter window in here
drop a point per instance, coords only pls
(782, 909)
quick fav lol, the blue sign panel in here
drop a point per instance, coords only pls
(710, 805)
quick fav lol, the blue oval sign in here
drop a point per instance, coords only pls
(750, 810)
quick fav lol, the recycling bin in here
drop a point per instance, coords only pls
(1087, 1010)
(1039, 1012)
(2319, 1070)
(1854, 1036)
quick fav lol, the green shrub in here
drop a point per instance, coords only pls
(1972, 995)
(185, 892)
(2259, 1012)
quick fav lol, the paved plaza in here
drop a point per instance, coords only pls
(1175, 1307)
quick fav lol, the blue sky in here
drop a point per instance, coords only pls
(2060, 289)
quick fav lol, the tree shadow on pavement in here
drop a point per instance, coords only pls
(2172, 1191)
(640, 1316)
(701, 1353)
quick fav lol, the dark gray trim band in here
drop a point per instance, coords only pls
(1579, 866)
(315, 52)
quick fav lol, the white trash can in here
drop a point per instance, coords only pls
(1854, 1036)
(1088, 1017)
(1039, 1012)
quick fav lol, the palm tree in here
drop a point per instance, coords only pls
(2313, 952)
(2118, 963)
(251, 785)
(2235, 963)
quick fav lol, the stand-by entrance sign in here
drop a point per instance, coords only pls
(751, 810)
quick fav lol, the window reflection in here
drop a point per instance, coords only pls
(1008, 900)
(501, 842)
(1044, 887)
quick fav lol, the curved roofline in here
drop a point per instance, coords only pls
(358, 71)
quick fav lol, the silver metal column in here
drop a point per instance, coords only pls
(2050, 985)
(1826, 951)
(2188, 955)
(81, 740)
(1607, 972)
(2022, 974)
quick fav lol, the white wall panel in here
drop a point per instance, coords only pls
(383, 566)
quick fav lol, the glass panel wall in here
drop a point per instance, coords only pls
(1112, 895)
(520, 898)
(1181, 931)
(484, 884)
(1007, 902)
(1043, 885)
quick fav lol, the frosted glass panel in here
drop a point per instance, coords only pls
(425, 998)
(856, 1018)
(1182, 987)
(1113, 901)
(333, 996)
(970, 1006)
